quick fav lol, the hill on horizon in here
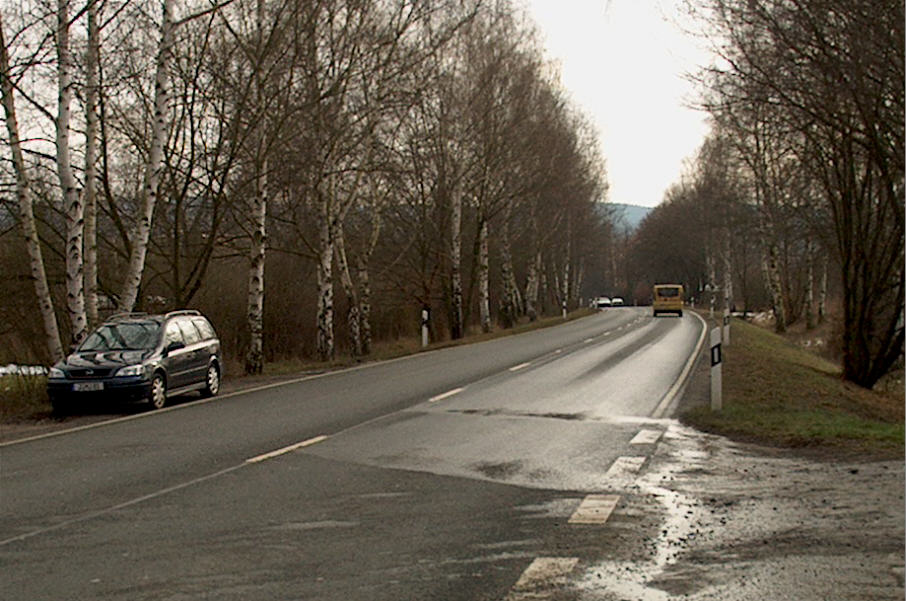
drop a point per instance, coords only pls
(626, 216)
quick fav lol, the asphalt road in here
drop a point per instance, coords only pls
(448, 475)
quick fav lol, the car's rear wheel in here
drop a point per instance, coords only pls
(212, 382)
(158, 397)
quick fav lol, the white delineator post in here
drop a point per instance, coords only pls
(424, 328)
(726, 337)
(564, 309)
(716, 378)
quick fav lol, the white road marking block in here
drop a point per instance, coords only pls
(543, 573)
(646, 437)
(625, 465)
(520, 366)
(445, 395)
(285, 450)
(587, 340)
(594, 509)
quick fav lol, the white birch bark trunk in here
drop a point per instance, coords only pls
(254, 357)
(532, 286)
(352, 313)
(822, 293)
(364, 305)
(26, 210)
(92, 62)
(564, 289)
(578, 279)
(771, 269)
(727, 268)
(510, 302)
(325, 285)
(362, 263)
(154, 167)
(810, 284)
(484, 300)
(72, 201)
(457, 326)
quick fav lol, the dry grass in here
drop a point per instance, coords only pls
(23, 398)
(778, 393)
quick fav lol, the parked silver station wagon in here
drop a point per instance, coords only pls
(139, 357)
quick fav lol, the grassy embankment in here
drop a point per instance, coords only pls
(777, 393)
(24, 398)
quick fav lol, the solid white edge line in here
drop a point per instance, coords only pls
(289, 449)
(520, 366)
(681, 380)
(445, 395)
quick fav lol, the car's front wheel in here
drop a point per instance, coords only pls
(212, 382)
(158, 397)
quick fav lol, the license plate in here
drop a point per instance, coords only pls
(87, 386)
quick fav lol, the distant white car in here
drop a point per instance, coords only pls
(602, 302)
(616, 302)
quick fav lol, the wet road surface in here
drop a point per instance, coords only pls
(536, 467)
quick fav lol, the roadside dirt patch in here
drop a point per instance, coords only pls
(736, 523)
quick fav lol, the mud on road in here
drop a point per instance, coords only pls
(711, 519)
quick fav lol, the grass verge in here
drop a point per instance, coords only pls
(23, 398)
(778, 394)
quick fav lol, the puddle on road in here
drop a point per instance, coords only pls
(736, 525)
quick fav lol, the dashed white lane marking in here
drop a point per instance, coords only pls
(558, 351)
(285, 450)
(625, 465)
(594, 509)
(445, 395)
(587, 340)
(541, 577)
(520, 366)
(646, 437)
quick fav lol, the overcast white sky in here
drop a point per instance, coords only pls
(624, 61)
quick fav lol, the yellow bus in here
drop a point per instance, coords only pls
(668, 298)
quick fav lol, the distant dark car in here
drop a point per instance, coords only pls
(139, 357)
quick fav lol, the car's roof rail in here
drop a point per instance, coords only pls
(182, 312)
(127, 315)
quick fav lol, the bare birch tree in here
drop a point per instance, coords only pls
(72, 199)
(92, 65)
(139, 240)
(26, 210)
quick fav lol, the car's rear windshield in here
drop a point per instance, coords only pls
(132, 336)
(667, 292)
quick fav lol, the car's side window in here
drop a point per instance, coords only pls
(207, 331)
(173, 334)
(189, 332)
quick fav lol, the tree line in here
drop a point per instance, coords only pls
(802, 176)
(353, 162)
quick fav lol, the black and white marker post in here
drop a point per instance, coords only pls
(425, 321)
(716, 380)
(726, 339)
